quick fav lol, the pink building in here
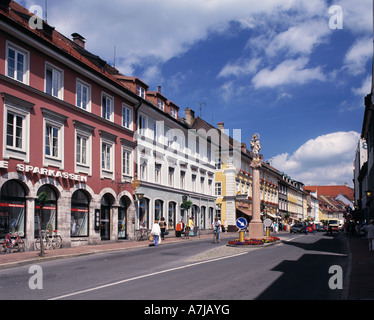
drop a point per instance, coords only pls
(67, 125)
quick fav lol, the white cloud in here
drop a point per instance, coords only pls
(157, 31)
(358, 55)
(327, 159)
(301, 38)
(288, 72)
(365, 87)
(240, 67)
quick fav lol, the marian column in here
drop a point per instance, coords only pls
(256, 227)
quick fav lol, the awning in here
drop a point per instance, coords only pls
(245, 211)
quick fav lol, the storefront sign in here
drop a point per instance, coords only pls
(51, 173)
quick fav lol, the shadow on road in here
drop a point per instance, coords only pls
(308, 277)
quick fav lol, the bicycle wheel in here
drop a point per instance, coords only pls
(138, 235)
(57, 242)
(21, 245)
(37, 243)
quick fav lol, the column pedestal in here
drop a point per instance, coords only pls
(256, 227)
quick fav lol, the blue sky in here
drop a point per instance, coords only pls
(272, 67)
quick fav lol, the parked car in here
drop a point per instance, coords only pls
(297, 227)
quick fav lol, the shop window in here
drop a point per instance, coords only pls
(48, 214)
(122, 219)
(12, 208)
(158, 210)
(144, 214)
(171, 215)
(79, 214)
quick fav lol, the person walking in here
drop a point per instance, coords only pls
(156, 232)
(162, 228)
(370, 234)
(217, 228)
(189, 227)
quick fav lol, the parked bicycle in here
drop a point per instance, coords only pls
(13, 243)
(51, 240)
(142, 234)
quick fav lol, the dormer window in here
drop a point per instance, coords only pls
(160, 104)
(174, 113)
(140, 91)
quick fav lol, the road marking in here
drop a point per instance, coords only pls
(144, 276)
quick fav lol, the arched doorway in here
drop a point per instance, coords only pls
(122, 218)
(105, 209)
(172, 215)
(48, 216)
(79, 214)
(12, 208)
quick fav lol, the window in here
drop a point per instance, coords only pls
(83, 156)
(16, 129)
(140, 91)
(142, 124)
(202, 183)
(51, 141)
(157, 173)
(81, 150)
(218, 189)
(17, 63)
(126, 162)
(107, 107)
(143, 171)
(83, 95)
(173, 113)
(160, 104)
(127, 117)
(14, 135)
(183, 179)
(171, 177)
(79, 214)
(106, 156)
(54, 81)
(194, 182)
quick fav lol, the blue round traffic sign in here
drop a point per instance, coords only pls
(241, 223)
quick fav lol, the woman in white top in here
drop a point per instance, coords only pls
(156, 231)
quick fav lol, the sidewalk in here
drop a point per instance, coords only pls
(8, 260)
(360, 270)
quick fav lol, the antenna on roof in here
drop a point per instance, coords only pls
(46, 11)
(201, 107)
(114, 58)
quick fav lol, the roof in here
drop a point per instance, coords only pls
(332, 191)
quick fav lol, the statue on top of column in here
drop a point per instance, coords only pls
(255, 146)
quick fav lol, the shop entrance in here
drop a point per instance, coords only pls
(105, 217)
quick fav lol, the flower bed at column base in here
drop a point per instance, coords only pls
(252, 242)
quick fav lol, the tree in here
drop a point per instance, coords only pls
(42, 201)
(186, 205)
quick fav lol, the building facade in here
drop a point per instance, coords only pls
(68, 130)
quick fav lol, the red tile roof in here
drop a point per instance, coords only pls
(332, 191)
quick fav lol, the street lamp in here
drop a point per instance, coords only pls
(368, 193)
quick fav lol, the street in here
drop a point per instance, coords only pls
(297, 267)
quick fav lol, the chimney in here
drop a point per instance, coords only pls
(78, 39)
(220, 126)
(190, 116)
(159, 89)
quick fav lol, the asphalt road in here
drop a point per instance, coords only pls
(295, 268)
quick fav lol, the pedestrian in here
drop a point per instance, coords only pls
(189, 227)
(179, 228)
(314, 228)
(370, 234)
(156, 232)
(162, 228)
(276, 227)
(305, 228)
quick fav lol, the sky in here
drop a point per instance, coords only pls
(294, 71)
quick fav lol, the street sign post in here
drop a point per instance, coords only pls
(241, 223)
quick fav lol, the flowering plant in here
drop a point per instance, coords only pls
(253, 241)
